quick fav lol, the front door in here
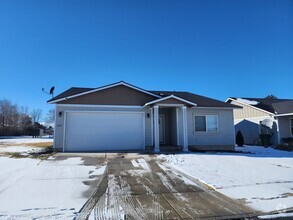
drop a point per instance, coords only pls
(162, 129)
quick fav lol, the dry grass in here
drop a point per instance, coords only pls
(42, 144)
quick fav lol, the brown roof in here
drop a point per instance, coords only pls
(201, 101)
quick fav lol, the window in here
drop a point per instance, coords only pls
(207, 123)
(291, 126)
(200, 123)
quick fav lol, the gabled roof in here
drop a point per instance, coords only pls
(75, 91)
(201, 101)
(171, 97)
(271, 105)
(187, 97)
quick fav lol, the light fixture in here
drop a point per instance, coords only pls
(148, 115)
(60, 114)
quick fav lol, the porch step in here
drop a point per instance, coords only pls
(166, 148)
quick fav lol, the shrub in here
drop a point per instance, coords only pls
(265, 139)
(239, 139)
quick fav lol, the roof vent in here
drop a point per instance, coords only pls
(161, 94)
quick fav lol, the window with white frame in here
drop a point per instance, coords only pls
(291, 126)
(206, 123)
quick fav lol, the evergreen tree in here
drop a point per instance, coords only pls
(239, 139)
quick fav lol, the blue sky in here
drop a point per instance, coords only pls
(209, 47)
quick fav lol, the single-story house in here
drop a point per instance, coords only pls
(121, 116)
(263, 116)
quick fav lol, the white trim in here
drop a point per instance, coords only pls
(270, 113)
(259, 117)
(233, 128)
(169, 97)
(64, 130)
(156, 129)
(177, 126)
(152, 126)
(76, 111)
(143, 129)
(105, 87)
(228, 108)
(101, 106)
(287, 114)
(206, 131)
(278, 132)
(55, 127)
(164, 131)
(185, 129)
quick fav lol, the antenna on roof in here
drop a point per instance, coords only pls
(51, 91)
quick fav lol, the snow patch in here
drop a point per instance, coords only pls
(260, 176)
(32, 189)
(143, 164)
(134, 163)
(248, 102)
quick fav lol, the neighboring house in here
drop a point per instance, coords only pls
(263, 116)
(121, 116)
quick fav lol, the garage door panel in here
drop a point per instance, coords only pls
(99, 131)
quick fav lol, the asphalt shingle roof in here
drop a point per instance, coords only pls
(275, 106)
(201, 101)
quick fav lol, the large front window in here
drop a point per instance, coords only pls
(206, 123)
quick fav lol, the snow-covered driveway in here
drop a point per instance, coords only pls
(53, 188)
(261, 177)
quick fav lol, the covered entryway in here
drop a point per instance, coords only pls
(168, 107)
(103, 131)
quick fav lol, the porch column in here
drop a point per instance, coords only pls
(184, 126)
(156, 129)
(277, 130)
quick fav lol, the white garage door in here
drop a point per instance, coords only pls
(102, 131)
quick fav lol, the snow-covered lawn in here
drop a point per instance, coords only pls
(22, 145)
(260, 177)
(46, 189)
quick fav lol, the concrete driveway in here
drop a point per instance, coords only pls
(140, 187)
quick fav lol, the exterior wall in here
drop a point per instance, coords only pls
(247, 111)
(59, 125)
(284, 127)
(250, 129)
(223, 139)
(118, 95)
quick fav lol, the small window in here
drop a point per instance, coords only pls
(212, 123)
(200, 123)
(208, 123)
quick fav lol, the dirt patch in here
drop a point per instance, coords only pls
(42, 144)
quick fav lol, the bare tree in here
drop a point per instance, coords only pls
(25, 120)
(50, 116)
(8, 117)
(36, 115)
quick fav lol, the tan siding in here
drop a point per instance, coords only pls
(247, 111)
(171, 101)
(118, 95)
